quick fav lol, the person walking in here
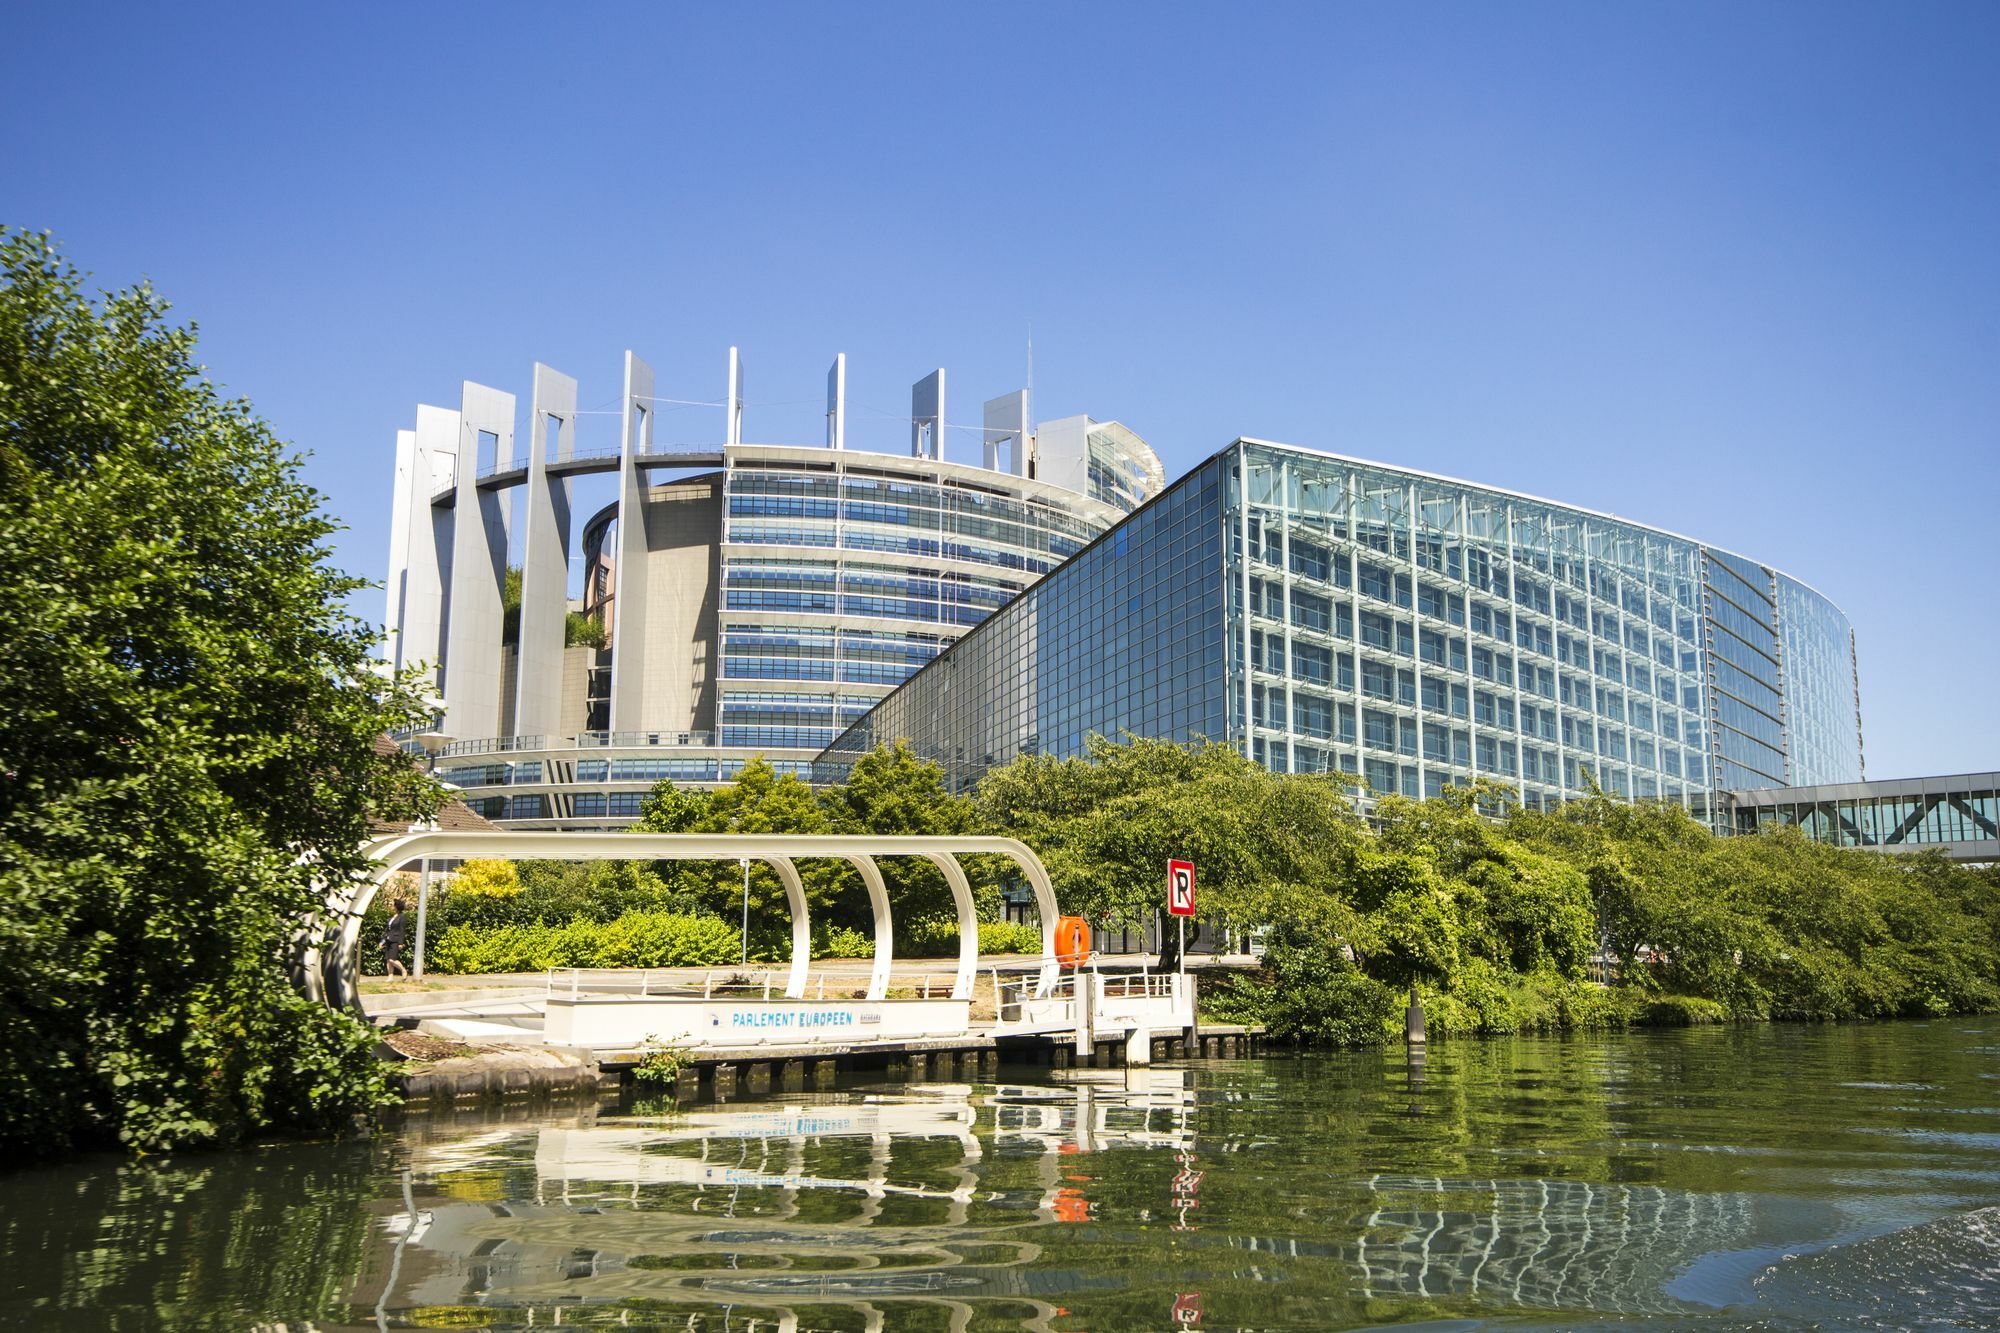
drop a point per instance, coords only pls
(394, 936)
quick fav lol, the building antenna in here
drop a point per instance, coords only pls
(1030, 414)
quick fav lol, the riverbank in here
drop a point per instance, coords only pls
(1338, 1006)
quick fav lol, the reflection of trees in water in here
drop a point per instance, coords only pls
(272, 1234)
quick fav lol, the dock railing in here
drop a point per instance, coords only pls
(729, 982)
(1018, 998)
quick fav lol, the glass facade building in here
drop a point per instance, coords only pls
(838, 585)
(737, 599)
(1330, 614)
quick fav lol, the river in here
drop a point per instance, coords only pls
(1775, 1177)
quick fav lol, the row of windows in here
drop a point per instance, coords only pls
(1386, 775)
(690, 769)
(904, 496)
(1484, 569)
(1319, 665)
(743, 667)
(1315, 613)
(1886, 821)
(888, 608)
(1494, 711)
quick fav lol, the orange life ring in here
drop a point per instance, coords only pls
(1072, 941)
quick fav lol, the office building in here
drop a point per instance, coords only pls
(1328, 614)
(730, 598)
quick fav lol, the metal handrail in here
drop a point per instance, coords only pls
(651, 980)
(619, 740)
(493, 745)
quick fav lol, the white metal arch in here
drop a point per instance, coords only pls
(339, 970)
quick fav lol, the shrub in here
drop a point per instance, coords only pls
(1678, 1011)
(660, 1062)
(1009, 937)
(1236, 997)
(638, 939)
(486, 879)
(1489, 1004)
(844, 942)
(1584, 1005)
(939, 935)
(1319, 998)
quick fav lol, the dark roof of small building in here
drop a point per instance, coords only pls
(455, 816)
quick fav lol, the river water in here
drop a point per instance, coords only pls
(1771, 1177)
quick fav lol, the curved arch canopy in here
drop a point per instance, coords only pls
(339, 970)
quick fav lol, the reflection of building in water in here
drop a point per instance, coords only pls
(847, 1213)
(1555, 1244)
(779, 1212)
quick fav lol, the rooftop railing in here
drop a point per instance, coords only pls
(493, 745)
(618, 740)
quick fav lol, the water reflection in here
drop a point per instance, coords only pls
(863, 1210)
(1839, 1177)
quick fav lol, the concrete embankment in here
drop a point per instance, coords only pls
(438, 1074)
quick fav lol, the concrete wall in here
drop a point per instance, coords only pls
(683, 579)
(576, 665)
(532, 696)
(478, 565)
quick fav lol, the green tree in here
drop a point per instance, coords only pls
(890, 791)
(760, 800)
(188, 728)
(671, 809)
(1265, 845)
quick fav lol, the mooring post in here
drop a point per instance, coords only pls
(1139, 1047)
(1192, 1037)
(1086, 1015)
(1413, 1019)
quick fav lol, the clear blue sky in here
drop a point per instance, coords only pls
(1730, 269)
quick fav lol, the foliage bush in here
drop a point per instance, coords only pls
(1009, 937)
(1315, 996)
(481, 896)
(637, 939)
(937, 936)
(844, 942)
(1677, 1011)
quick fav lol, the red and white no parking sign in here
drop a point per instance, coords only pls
(1180, 888)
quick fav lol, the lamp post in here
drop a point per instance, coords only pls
(423, 905)
(746, 910)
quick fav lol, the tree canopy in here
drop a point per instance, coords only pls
(1501, 915)
(188, 728)
(1107, 822)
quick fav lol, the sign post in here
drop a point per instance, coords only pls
(1180, 899)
